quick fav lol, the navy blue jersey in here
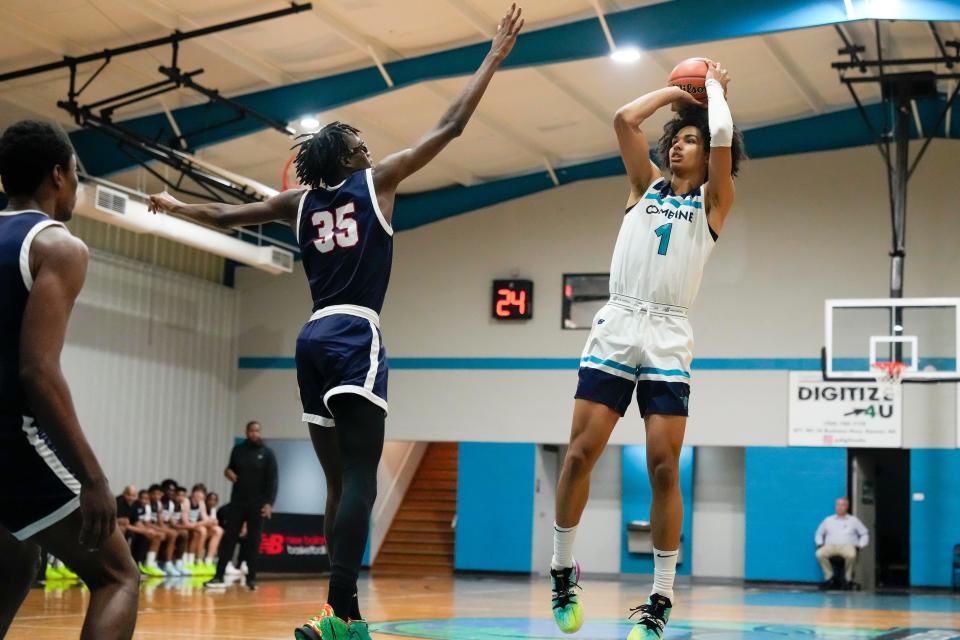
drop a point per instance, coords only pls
(17, 230)
(346, 244)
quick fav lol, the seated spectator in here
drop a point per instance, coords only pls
(177, 512)
(841, 534)
(213, 501)
(203, 523)
(176, 540)
(142, 539)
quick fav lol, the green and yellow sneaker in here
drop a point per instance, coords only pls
(151, 571)
(357, 630)
(567, 612)
(52, 574)
(654, 615)
(326, 626)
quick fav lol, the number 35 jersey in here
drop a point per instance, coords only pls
(662, 248)
(346, 244)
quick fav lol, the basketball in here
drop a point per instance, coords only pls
(690, 75)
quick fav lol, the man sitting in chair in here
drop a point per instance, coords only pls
(841, 535)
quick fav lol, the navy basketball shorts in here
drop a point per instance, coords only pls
(340, 350)
(636, 345)
(38, 489)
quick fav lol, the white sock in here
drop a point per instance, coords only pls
(151, 559)
(664, 571)
(563, 538)
(188, 558)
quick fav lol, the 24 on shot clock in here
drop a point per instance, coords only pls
(512, 299)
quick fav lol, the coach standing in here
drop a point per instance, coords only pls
(253, 472)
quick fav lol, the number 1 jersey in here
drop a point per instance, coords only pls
(346, 244)
(663, 247)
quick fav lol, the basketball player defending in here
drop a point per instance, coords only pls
(343, 227)
(641, 338)
(54, 492)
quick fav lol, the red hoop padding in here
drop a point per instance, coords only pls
(286, 182)
(889, 373)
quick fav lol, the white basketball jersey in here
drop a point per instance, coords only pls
(662, 248)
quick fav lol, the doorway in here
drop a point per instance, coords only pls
(879, 487)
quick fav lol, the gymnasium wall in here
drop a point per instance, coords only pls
(150, 358)
(805, 227)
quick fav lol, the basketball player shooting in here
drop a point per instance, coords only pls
(343, 226)
(641, 339)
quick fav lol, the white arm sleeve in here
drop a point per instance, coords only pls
(721, 122)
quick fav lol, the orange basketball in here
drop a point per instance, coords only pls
(690, 76)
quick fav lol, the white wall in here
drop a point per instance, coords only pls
(150, 358)
(804, 228)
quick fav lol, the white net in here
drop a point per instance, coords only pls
(889, 375)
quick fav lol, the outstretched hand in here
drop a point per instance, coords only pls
(507, 32)
(162, 203)
(685, 99)
(717, 72)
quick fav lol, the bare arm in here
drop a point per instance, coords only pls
(634, 149)
(280, 208)
(58, 262)
(719, 191)
(185, 512)
(388, 174)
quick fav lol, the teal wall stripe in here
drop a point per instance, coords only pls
(541, 364)
(553, 364)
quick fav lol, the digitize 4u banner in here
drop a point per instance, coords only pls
(842, 414)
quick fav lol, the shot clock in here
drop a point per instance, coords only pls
(512, 299)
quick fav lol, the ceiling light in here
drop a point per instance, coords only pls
(309, 123)
(625, 55)
(882, 8)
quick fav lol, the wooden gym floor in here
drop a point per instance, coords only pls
(482, 608)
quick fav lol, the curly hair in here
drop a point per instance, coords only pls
(29, 150)
(697, 117)
(320, 155)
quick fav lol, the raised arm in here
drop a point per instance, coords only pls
(634, 149)
(719, 191)
(280, 208)
(58, 263)
(388, 174)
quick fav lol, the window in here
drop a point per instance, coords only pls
(583, 295)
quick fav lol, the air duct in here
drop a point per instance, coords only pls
(127, 209)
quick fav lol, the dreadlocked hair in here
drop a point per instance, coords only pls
(697, 117)
(320, 154)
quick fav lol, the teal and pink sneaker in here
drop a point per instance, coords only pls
(654, 615)
(567, 611)
(326, 626)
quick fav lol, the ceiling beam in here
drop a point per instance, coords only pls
(796, 77)
(657, 26)
(364, 42)
(157, 12)
(481, 22)
(369, 123)
(377, 51)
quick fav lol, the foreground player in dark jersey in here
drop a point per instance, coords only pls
(343, 227)
(54, 492)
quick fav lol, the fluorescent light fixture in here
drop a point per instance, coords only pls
(625, 55)
(882, 8)
(309, 123)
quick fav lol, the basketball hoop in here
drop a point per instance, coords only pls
(889, 375)
(288, 180)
